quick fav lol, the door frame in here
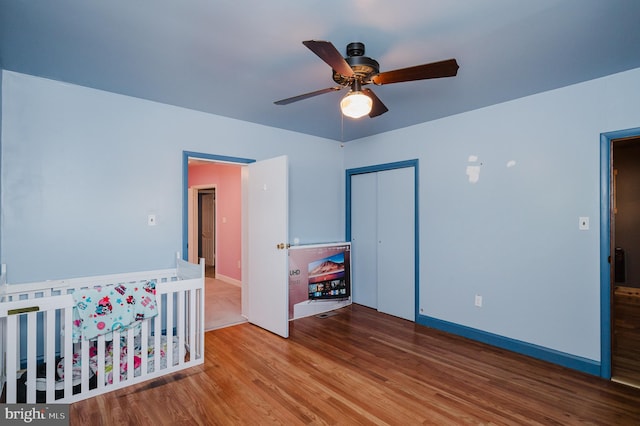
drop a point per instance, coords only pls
(606, 181)
(247, 245)
(186, 155)
(416, 240)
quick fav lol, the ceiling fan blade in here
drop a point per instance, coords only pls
(307, 95)
(378, 107)
(447, 68)
(328, 53)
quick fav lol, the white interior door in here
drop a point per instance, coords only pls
(267, 237)
(207, 207)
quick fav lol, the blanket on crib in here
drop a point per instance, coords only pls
(171, 345)
(101, 310)
(41, 381)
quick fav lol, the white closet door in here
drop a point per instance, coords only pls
(364, 219)
(396, 236)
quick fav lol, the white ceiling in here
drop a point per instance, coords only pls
(235, 58)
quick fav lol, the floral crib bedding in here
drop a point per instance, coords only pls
(101, 310)
(124, 367)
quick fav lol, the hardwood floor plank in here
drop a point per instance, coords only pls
(363, 367)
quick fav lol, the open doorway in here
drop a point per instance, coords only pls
(215, 234)
(625, 260)
(260, 257)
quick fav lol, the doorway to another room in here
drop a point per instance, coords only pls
(625, 260)
(214, 234)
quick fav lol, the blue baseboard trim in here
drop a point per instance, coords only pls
(561, 358)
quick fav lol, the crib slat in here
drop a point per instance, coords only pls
(3, 333)
(201, 290)
(68, 358)
(19, 345)
(31, 357)
(157, 332)
(115, 358)
(100, 374)
(84, 365)
(169, 331)
(131, 351)
(50, 353)
(180, 329)
(144, 347)
(193, 343)
(11, 357)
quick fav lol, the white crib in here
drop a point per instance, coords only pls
(37, 349)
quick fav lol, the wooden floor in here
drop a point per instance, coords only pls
(363, 367)
(625, 353)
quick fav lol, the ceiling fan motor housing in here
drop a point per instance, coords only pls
(362, 66)
(355, 49)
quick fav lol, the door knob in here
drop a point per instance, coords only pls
(282, 246)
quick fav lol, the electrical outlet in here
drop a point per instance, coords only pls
(478, 301)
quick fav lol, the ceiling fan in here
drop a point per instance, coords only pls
(357, 70)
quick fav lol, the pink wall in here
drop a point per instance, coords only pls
(227, 179)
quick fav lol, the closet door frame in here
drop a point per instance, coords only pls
(380, 168)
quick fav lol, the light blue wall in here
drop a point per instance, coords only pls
(82, 169)
(512, 237)
(1, 168)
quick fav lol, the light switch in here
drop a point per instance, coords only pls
(151, 220)
(583, 223)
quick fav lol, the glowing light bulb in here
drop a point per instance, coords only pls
(356, 104)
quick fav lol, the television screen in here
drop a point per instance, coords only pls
(329, 276)
(319, 278)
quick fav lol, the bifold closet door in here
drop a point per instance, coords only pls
(364, 222)
(382, 238)
(396, 234)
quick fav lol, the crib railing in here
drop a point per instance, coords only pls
(35, 329)
(12, 312)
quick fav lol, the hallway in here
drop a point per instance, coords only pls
(222, 303)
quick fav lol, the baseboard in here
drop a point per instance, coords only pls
(561, 358)
(229, 280)
(626, 382)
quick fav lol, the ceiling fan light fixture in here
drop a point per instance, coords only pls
(356, 104)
